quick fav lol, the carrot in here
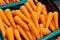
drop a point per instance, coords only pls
(20, 22)
(4, 18)
(56, 19)
(39, 9)
(52, 27)
(17, 0)
(33, 29)
(8, 13)
(13, 0)
(2, 27)
(49, 18)
(58, 38)
(7, 1)
(25, 12)
(29, 34)
(28, 7)
(22, 32)
(42, 19)
(32, 4)
(17, 35)
(18, 13)
(35, 20)
(1, 2)
(36, 1)
(9, 34)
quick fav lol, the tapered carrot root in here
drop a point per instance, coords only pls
(49, 18)
(20, 22)
(25, 12)
(33, 29)
(28, 7)
(32, 4)
(22, 32)
(56, 19)
(8, 13)
(18, 13)
(2, 27)
(17, 35)
(7, 1)
(35, 20)
(4, 18)
(9, 34)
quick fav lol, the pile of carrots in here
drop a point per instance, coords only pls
(30, 20)
(7, 1)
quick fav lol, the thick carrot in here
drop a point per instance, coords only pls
(21, 22)
(18, 13)
(39, 9)
(56, 19)
(25, 12)
(35, 20)
(7, 1)
(28, 7)
(9, 34)
(32, 4)
(4, 18)
(42, 19)
(22, 32)
(33, 29)
(8, 13)
(49, 18)
(2, 27)
(29, 34)
(17, 35)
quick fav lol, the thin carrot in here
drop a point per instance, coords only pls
(29, 34)
(4, 18)
(25, 12)
(18, 13)
(32, 4)
(56, 19)
(33, 29)
(22, 32)
(8, 13)
(21, 22)
(17, 35)
(35, 20)
(28, 7)
(9, 34)
(7, 1)
(49, 19)
(2, 27)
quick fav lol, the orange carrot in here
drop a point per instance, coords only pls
(17, 35)
(7, 1)
(14, 0)
(56, 19)
(9, 34)
(20, 22)
(28, 7)
(29, 34)
(2, 27)
(3, 1)
(49, 18)
(17, 0)
(22, 32)
(35, 20)
(4, 18)
(18, 13)
(33, 29)
(58, 38)
(25, 12)
(10, 17)
(36, 1)
(32, 4)
(39, 9)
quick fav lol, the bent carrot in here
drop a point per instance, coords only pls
(49, 18)
(28, 7)
(2, 27)
(22, 32)
(20, 22)
(33, 29)
(17, 35)
(35, 20)
(4, 18)
(9, 34)
(56, 19)
(8, 13)
(7, 1)
(32, 4)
